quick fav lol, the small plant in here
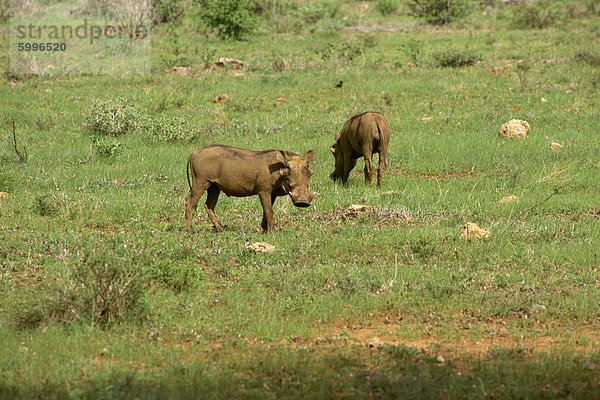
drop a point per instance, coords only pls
(114, 117)
(536, 14)
(587, 57)
(21, 154)
(207, 56)
(401, 352)
(522, 68)
(412, 48)
(106, 147)
(387, 7)
(46, 205)
(232, 18)
(440, 12)
(456, 58)
(347, 51)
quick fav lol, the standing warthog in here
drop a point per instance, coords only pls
(241, 173)
(362, 136)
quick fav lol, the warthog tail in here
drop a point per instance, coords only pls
(187, 170)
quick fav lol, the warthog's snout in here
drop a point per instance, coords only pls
(302, 198)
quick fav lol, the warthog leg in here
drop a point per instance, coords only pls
(211, 201)
(196, 192)
(381, 166)
(368, 155)
(267, 200)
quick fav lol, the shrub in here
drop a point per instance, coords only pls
(103, 289)
(412, 48)
(346, 51)
(387, 7)
(113, 117)
(587, 57)
(455, 58)
(170, 130)
(167, 11)
(440, 12)
(106, 147)
(234, 19)
(317, 11)
(536, 14)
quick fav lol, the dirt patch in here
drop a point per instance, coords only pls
(498, 334)
(436, 175)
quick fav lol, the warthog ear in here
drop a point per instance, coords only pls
(337, 136)
(309, 155)
(332, 150)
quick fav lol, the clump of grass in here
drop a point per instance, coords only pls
(46, 205)
(456, 58)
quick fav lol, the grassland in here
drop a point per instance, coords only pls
(392, 305)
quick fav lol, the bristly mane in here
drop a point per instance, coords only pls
(259, 152)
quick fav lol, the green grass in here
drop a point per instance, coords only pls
(514, 315)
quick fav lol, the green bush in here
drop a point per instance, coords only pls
(106, 147)
(113, 117)
(170, 129)
(455, 58)
(104, 288)
(413, 49)
(168, 11)
(387, 7)
(440, 12)
(537, 14)
(318, 11)
(232, 18)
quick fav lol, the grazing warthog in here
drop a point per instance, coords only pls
(362, 136)
(241, 173)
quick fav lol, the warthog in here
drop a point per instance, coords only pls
(362, 136)
(241, 173)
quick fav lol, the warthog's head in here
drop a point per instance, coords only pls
(296, 175)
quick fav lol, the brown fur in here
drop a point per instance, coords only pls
(362, 136)
(241, 173)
